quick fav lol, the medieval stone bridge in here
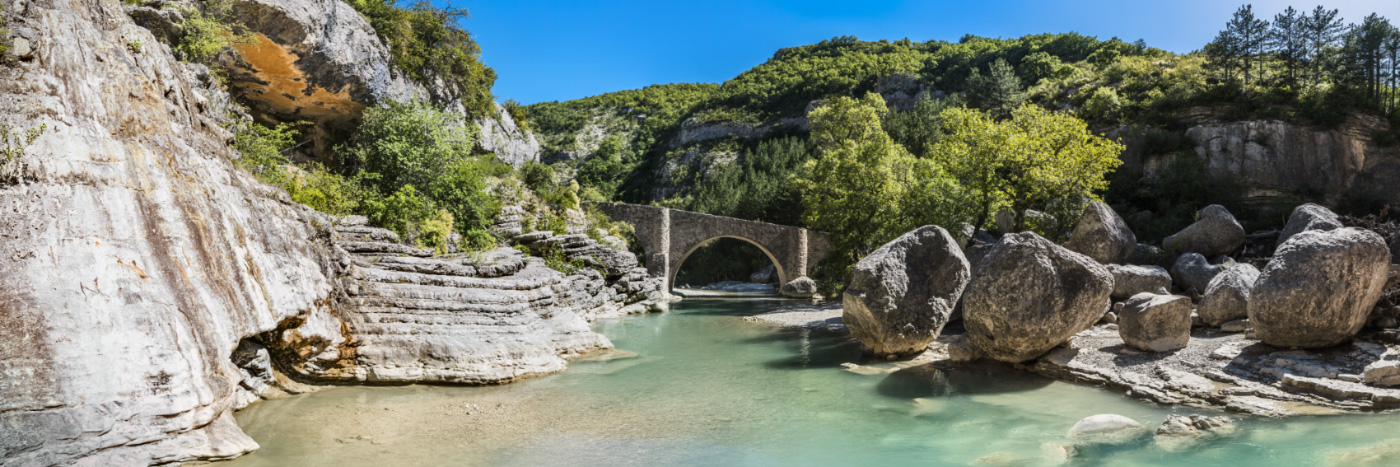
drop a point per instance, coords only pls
(669, 236)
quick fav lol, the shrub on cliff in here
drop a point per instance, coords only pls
(261, 148)
(208, 31)
(427, 44)
(415, 144)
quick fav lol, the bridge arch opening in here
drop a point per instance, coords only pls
(726, 247)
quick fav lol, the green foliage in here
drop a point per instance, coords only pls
(1172, 197)
(1037, 159)
(755, 186)
(434, 232)
(863, 188)
(477, 240)
(918, 128)
(409, 143)
(416, 145)
(519, 113)
(427, 43)
(1102, 104)
(13, 143)
(208, 31)
(998, 92)
(261, 148)
(537, 176)
(404, 211)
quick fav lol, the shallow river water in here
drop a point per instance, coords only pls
(708, 388)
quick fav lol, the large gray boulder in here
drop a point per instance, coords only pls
(1131, 280)
(1308, 217)
(1030, 295)
(802, 287)
(902, 294)
(1227, 296)
(1156, 323)
(1214, 233)
(1102, 235)
(1106, 429)
(1191, 271)
(1319, 288)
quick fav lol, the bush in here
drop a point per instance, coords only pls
(208, 31)
(537, 176)
(260, 149)
(403, 212)
(477, 240)
(410, 143)
(434, 232)
(13, 144)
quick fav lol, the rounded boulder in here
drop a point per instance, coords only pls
(1319, 288)
(1030, 295)
(902, 294)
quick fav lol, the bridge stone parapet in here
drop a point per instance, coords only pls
(669, 236)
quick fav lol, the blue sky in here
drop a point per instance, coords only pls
(549, 50)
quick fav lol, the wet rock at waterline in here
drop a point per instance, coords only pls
(1129, 280)
(1215, 232)
(1030, 295)
(1102, 235)
(1308, 217)
(1191, 272)
(1319, 288)
(1226, 298)
(1179, 432)
(1106, 429)
(1156, 323)
(902, 294)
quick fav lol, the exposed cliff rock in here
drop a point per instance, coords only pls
(136, 256)
(141, 266)
(320, 61)
(1271, 160)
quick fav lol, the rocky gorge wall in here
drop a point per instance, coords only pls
(144, 272)
(1277, 161)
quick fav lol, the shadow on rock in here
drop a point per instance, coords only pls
(939, 379)
(1124, 355)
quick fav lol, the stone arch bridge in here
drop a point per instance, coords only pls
(669, 236)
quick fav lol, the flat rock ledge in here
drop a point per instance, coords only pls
(1228, 371)
(1217, 370)
(825, 317)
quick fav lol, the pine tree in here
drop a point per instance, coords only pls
(1288, 41)
(1251, 34)
(998, 92)
(1222, 54)
(1322, 30)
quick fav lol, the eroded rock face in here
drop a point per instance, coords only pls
(1102, 235)
(1319, 288)
(1226, 298)
(1132, 280)
(1308, 217)
(1215, 232)
(1271, 159)
(1156, 323)
(136, 255)
(1029, 295)
(902, 294)
(500, 135)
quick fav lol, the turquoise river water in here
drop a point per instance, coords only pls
(708, 388)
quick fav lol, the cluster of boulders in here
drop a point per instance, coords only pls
(1022, 295)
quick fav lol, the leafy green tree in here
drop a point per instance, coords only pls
(863, 188)
(1037, 159)
(756, 185)
(998, 92)
(1038, 66)
(921, 126)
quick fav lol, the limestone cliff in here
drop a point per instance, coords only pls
(1271, 160)
(142, 267)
